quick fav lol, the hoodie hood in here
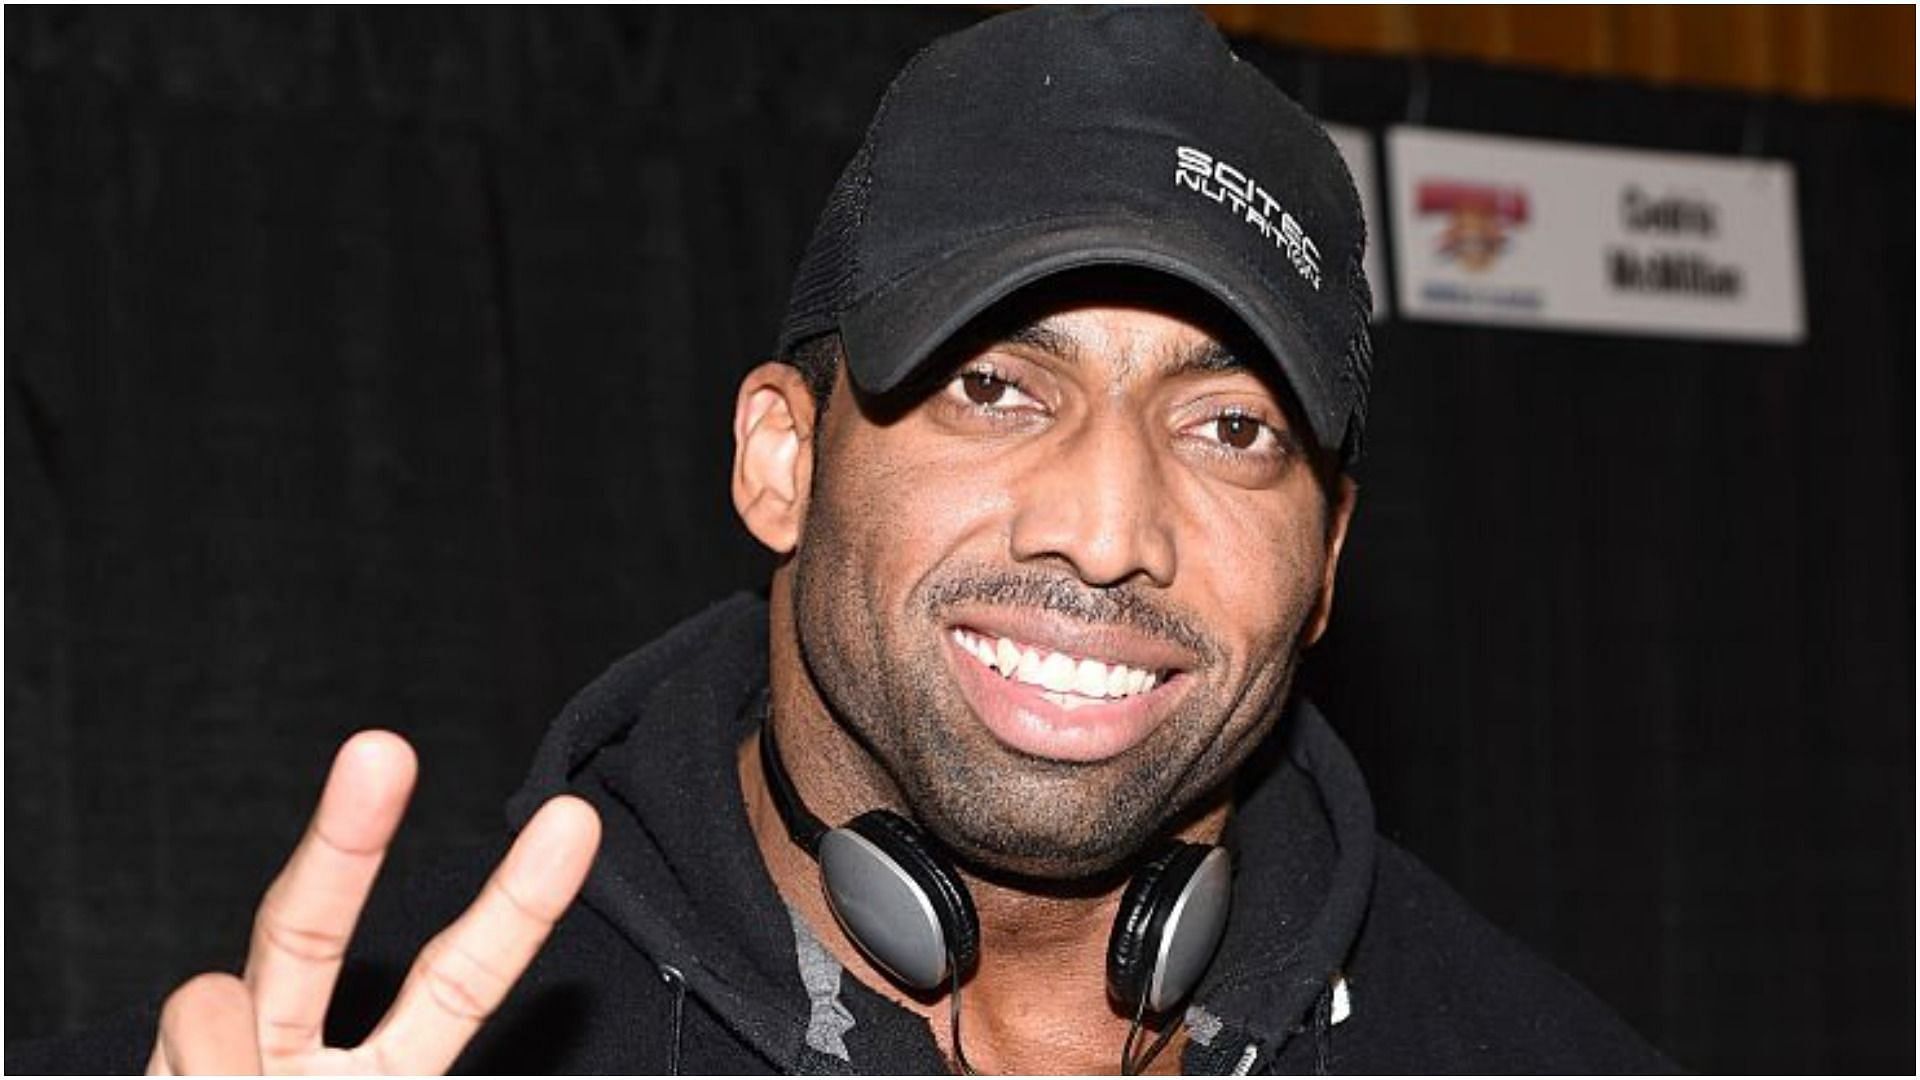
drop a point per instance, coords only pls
(1302, 836)
(652, 745)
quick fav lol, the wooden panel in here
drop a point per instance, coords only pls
(1708, 46)
(1813, 51)
(1464, 30)
(1646, 42)
(1569, 37)
(1805, 28)
(1865, 44)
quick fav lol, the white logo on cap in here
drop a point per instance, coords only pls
(1199, 171)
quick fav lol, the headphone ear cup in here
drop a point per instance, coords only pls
(1127, 952)
(1171, 917)
(898, 899)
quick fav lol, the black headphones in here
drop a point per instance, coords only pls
(906, 908)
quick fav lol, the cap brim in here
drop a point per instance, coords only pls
(890, 334)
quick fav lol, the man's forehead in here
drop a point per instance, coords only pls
(1133, 341)
(1142, 319)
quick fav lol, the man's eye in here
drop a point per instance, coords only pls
(1240, 433)
(991, 390)
(984, 387)
(1237, 431)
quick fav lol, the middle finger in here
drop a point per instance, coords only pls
(306, 918)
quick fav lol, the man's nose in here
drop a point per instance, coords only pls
(1098, 501)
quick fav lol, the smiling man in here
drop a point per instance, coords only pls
(1058, 599)
(1046, 610)
(1005, 774)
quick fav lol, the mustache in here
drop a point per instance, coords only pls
(1118, 605)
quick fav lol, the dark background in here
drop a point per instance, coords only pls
(375, 367)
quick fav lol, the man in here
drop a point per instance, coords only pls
(1005, 775)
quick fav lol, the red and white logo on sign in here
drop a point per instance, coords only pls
(1480, 219)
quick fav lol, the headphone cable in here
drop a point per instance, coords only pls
(1133, 1066)
(953, 1019)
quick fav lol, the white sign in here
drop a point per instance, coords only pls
(1356, 145)
(1559, 235)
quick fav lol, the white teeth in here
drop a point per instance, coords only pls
(970, 643)
(1007, 657)
(1056, 672)
(1029, 669)
(1090, 679)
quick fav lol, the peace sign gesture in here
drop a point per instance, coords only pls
(270, 1019)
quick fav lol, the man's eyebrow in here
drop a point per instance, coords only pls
(1038, 335)
(1205, 358)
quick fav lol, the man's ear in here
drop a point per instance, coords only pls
(773, 424)
(1340, 509)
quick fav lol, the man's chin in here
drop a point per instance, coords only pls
(1067, 841)
(1008, 814)
(1036, 867)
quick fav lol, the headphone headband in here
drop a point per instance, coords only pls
(805, 829)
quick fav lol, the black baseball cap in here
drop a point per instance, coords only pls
(1055, 138)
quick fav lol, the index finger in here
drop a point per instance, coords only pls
(306, 918)
(464, 973)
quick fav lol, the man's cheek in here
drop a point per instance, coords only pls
(940, 507)
(1264, 610)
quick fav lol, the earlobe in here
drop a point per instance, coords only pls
(1340, 511)
(773, 418)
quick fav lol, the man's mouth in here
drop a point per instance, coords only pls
(1052, 699)
(1064, 677)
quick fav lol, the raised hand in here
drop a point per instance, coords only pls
(270, 1019)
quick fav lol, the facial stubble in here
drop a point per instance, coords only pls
(878, 665)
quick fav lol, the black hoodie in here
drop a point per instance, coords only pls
(1342, 953)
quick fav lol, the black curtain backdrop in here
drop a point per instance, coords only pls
(374, 366)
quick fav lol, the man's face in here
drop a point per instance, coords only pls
(1059, 597)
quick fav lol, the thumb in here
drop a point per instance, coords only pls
(206, 1027)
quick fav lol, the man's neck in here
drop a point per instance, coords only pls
(1036, 1002)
